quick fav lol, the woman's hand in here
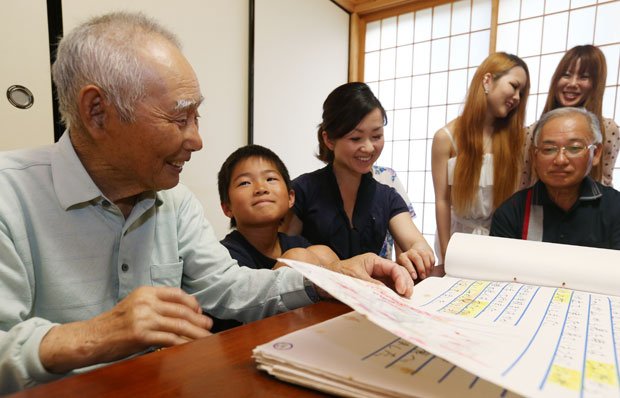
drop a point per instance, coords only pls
(419, 260)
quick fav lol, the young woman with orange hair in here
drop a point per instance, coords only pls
(579, 81)
(476, 158)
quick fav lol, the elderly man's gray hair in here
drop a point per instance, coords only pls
(104, 51)
(595, 127)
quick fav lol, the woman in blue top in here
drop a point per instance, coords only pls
(342, 205)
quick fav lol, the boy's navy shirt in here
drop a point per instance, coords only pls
(247, 255)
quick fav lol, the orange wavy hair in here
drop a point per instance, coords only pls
(508, 138)
(593, 62)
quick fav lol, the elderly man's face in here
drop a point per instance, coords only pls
(151, 151)
(563, 170)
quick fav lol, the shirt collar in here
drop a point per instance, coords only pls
(589, 190)
(365, 177)
(72, 183)
(365, 195)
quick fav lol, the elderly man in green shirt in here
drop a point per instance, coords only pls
(102, 253)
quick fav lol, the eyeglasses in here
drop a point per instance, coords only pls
(570, 151)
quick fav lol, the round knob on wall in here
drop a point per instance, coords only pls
(20, 97)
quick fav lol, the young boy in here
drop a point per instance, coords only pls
(255, 192)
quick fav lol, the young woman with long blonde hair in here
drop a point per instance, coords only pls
(476, 158)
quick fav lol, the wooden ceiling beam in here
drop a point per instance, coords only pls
(348, 5)
(362, 7)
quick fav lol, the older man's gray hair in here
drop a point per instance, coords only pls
(595, 127)
(104, 51)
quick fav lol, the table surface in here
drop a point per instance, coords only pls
(219, 365)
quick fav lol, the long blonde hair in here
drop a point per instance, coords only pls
(593, 62)
(508, 138)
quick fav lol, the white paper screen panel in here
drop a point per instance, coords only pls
(301, 55)
(25, 62)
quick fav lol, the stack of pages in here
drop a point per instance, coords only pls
(511, 317)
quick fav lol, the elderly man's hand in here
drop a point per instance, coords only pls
(373, 268)
(149, 316)
(420, 258)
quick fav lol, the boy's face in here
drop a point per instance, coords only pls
(258, 194)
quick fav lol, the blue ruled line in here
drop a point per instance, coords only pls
(508, 305)
(445, 291)
(424, 364)
(585, 347)
(528, 305)
(457, 297)
(509, 368)
(613, 340)
(447, 374)
(399, 358)
(491, 302)
(544, 380)
(380, 349)
(474, 299)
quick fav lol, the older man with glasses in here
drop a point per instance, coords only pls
(566, 205)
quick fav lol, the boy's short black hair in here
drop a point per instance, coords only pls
(224, 176)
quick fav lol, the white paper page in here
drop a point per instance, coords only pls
(563, 345)
(537, 263)
(351, 356)
(572, 334)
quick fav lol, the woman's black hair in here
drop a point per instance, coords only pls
(343, 110)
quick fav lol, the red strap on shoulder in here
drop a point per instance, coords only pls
(526, 217)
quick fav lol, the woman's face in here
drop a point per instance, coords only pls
(574, 86)
(359, 149)
(504, 93)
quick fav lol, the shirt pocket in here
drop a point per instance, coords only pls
(167, 274)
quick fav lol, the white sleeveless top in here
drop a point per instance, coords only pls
(478, 219)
